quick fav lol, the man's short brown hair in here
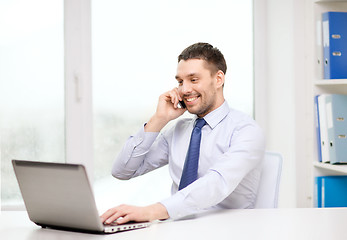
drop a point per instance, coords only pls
(207, 52)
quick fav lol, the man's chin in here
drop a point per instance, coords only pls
(191, 110)
(196, 111)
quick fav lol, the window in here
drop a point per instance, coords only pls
(135, 49)
(31, 87)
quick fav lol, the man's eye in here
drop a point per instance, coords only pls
(194, 80)
(180, 83)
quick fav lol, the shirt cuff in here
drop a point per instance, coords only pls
(179, 206)
(178, 209)
(144, 140)
(173, 207)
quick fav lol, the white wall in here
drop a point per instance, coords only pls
(280, 84)
(281, 91)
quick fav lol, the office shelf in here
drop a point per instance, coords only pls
(329, 1)
(329, 82)
(331, 167)
(322, 86)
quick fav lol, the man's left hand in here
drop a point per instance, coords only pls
(125, 213)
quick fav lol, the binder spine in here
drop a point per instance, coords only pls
(334, 44)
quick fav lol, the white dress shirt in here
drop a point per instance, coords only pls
(231, 153)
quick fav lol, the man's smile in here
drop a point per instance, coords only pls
(191, 99)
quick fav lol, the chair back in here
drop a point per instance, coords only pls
(267, 196)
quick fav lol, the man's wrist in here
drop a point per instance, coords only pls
(155, 124)
(159, 212)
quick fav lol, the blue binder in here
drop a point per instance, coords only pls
(335, 44)
(318, 135)
(331, 191)
(336, 110)
(323, 129)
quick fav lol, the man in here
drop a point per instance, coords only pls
(231, 145)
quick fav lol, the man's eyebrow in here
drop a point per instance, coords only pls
(188, 75)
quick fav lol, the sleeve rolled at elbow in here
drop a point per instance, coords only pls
(120, 175)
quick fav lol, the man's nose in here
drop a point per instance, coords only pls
(186, 88)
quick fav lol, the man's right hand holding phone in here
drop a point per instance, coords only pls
(168, 109)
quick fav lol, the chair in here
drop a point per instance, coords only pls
(267, 196)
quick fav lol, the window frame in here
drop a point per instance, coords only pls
(78, 84)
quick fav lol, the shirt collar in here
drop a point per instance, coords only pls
(217, 115)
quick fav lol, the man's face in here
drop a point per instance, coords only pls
(199, 89)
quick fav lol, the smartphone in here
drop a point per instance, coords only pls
(182, 104)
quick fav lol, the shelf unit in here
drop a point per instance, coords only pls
(320, 85)
(331, 82)
(326, 167)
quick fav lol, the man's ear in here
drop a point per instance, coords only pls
(220, 77)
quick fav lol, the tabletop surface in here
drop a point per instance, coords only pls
(285, 223)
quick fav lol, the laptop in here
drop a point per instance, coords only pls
(59, 195)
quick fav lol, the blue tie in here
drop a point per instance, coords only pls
(190, 170)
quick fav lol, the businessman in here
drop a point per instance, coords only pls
(214, 157)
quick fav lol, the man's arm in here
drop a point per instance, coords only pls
(144, 151)
(133, 157)
(229, 169)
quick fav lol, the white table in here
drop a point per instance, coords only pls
(300, 223)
